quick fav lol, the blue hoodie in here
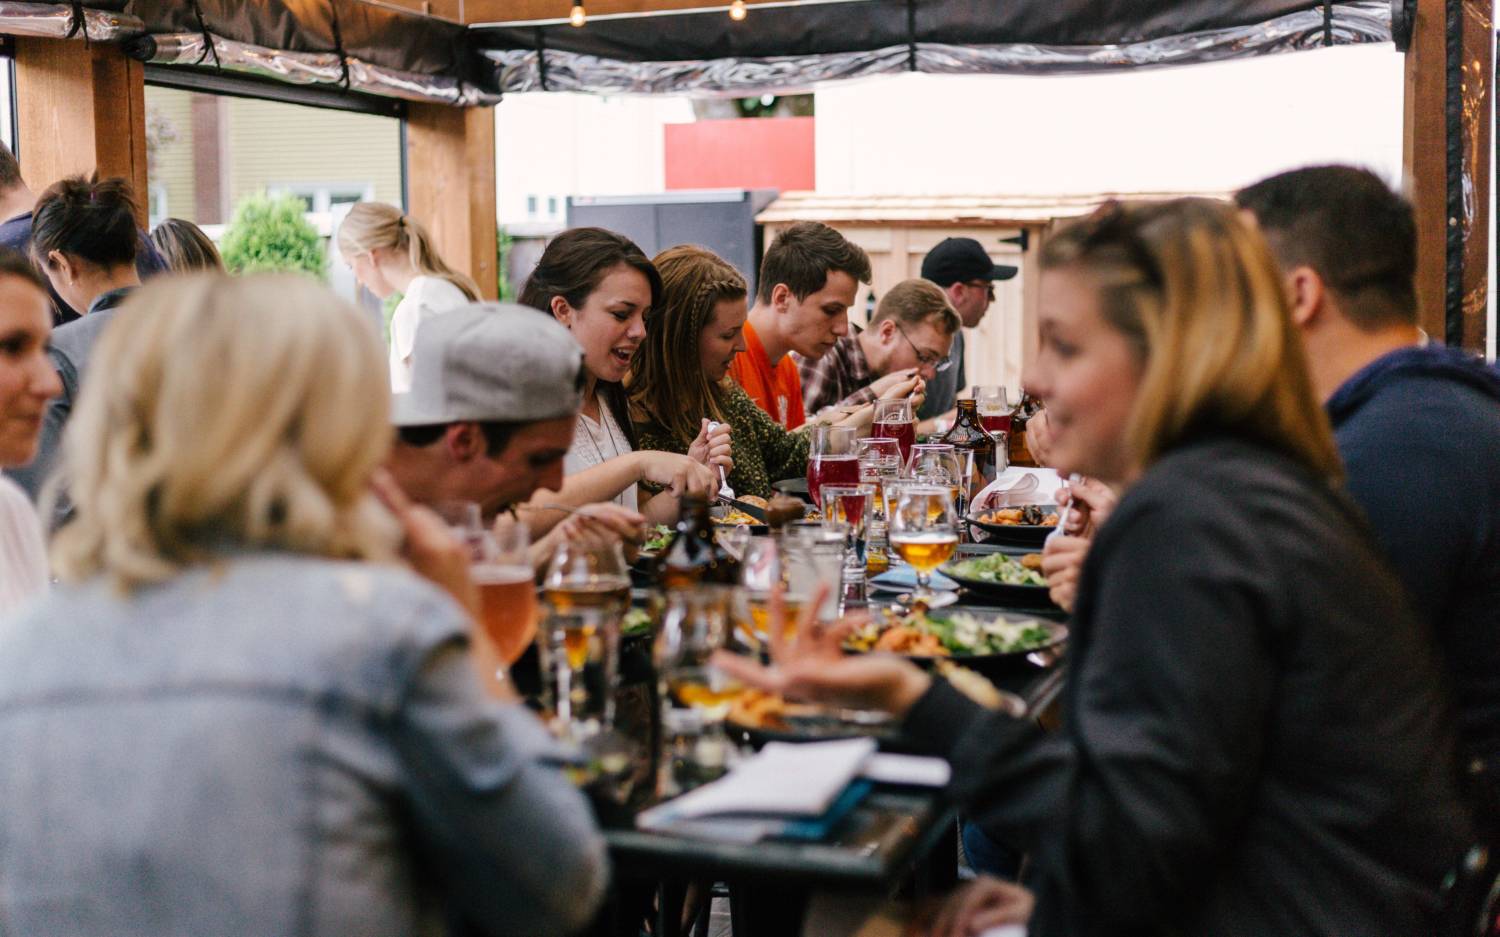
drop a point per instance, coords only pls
(1419, 432)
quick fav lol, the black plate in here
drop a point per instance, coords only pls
(1019, 535)
(1028, 597)
(997, 665)
(722, 510)
(814, 729)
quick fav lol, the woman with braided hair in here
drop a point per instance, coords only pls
(679, 379)
(390, 252)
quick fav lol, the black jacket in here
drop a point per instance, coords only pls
(1419, 431)
(1256, 739)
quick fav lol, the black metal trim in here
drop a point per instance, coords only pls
(78, 20)
(911, 35)
(541, 58)
(1327, 23)
(230, 84)
(1453, 288)
(338, 44)
(208, 38)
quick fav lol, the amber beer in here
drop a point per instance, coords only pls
(507, 607)
(584, 607)
(925, 550)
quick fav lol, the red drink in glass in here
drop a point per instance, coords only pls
(830, 470)
(905, 433)
(995, 422)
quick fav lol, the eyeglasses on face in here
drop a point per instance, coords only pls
(926, 358)
(987, 285)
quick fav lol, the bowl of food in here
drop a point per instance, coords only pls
(988, 641)
(1026, 526)
(1003, 577)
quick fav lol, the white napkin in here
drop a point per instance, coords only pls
(1046, 482)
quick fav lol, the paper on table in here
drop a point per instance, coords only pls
(913, 770)
(783, 780)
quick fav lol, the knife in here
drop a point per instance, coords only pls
(750, 509)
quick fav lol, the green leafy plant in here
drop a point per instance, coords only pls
(503, 242)
(272, 234)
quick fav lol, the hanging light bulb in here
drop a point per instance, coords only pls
(577, 17)
(737, 10)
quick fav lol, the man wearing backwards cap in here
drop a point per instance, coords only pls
(494, 395)
(966, 273)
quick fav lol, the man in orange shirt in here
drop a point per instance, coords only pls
(808, 280)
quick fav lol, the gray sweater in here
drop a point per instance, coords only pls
(280, 745)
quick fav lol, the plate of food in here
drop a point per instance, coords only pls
(1026, 526)
(1004, 577)
(756, 717)
(985, 640)
(726, 516)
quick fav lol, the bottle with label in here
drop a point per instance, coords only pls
(969, 435)
(693, 555)
(1024, 411)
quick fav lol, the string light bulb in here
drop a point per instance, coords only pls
(577, 17)
(737, 10)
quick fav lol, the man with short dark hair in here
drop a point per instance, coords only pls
(808, 279)
(1418, 427)
(494, 396)
(967, 275)
(16, 202)
(905, 344)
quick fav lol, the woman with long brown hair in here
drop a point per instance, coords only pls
(680, 380)
(602, 287)
(391, 252)
(1256, 738)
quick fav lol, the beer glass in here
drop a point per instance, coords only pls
(501, 570)
(924, 530)
(695, 695)
(895, 419)
(831, 459)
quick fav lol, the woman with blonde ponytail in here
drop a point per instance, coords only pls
(390, 252)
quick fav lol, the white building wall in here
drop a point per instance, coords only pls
(549, 146)
(1196, 128)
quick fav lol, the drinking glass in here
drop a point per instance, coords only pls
(586, 590)
(994, 410)
(814, 558)
(761, 570)
(848, 509)
(831, 459)
(924, 530)
(895, 419)
(501, 570)
(695, 695)
(879, 462)
(942, 464)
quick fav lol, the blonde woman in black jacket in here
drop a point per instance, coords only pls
(1257, 740)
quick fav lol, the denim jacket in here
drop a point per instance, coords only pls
(274, 745)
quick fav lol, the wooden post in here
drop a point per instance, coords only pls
(1449, 174)
(82, 109)
(450, 172)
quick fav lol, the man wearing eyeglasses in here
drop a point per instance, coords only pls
(905, 346)
(967, 276)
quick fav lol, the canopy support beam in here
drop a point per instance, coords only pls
(450, 155)
(82, 109)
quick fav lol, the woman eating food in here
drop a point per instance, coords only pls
(603, 289)
(1256, 739)
(680, 381)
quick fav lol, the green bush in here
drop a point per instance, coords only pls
(272, 234)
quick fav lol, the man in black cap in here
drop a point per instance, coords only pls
(965, 272)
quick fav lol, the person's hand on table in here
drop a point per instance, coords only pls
(976, 907)
(810, 664)
(1062, 564)
(712, 447)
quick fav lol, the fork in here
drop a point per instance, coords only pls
(725, 492)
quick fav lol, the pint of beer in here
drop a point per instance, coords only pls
(507, 607)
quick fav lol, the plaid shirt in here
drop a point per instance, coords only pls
(842, 377)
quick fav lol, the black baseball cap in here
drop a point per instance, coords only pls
(960, 259)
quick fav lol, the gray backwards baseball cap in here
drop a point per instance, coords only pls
(491, 362)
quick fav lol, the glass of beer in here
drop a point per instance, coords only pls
(502, 573)
(695, 695)
(924, 530)
(586, 591)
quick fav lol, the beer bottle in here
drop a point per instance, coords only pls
(693, 555)
(969, 435)
(1019, 453)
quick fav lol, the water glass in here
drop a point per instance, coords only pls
(815, 558)
(848, 509)
(586, 591)
(695, 695)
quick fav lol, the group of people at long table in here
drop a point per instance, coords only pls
(242, 688)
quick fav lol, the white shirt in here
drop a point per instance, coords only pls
(425, 297)
(23, 556)
(598, 442)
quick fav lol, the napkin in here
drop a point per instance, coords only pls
(1045, 491)
(904, 579)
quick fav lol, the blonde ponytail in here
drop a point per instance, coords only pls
(374, 225)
